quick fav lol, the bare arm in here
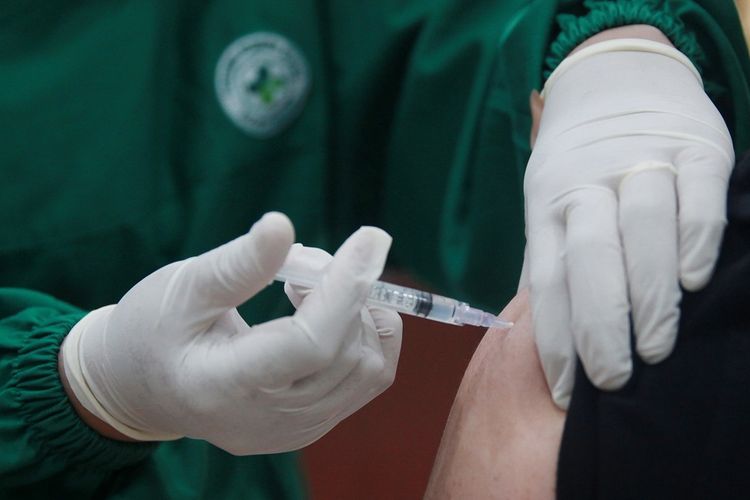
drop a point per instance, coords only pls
(503, 433)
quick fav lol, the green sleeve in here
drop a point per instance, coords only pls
(43, 440)
(48, 452)
(603, 15)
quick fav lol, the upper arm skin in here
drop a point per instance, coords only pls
(503, 433)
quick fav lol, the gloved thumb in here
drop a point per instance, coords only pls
(229, 275)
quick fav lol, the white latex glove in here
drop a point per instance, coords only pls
(311, 261)
(625, 198)
(174, 358)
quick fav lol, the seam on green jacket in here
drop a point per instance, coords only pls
(604, 14)
(53, 425)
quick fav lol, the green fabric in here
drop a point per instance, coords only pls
(47, 448)
(30, 391)
(611, 14)
(117, 159)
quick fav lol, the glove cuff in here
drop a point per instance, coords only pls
(609, 14)
(620, 45)
(76, 374)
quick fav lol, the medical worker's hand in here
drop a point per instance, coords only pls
(174, 358)
(625, 199)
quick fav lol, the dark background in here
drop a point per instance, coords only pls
(386, 450)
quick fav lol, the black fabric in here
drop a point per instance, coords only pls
(679, 429)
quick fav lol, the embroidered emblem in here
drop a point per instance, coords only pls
(262, 81)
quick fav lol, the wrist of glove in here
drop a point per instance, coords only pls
(625, 198)
(174, 358)
(79, 386)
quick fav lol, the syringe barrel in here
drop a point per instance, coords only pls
(416, 302)
(406, 300)
(400, 298)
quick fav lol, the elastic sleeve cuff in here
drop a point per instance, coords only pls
(44, 407)
(606, 14)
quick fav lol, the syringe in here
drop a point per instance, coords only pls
(411, 301)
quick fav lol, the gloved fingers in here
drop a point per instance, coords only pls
(387, 323)
(305, 261)
(227, 276)
(296, 293)
(328, 392)
(367, 381)
(280, 353)
(326, 319)
(371, 342)
(333, 308)
(648, 224)
(375, 371)
(307, 391)
(389, 327)
(370, 362)
(551, 310)
(314, 387)
(376, 368)
(702, 190)
(597, 287)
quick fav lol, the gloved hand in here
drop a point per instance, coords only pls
(174, 358)
(625, 198)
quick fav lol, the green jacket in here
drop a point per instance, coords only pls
(118, 157)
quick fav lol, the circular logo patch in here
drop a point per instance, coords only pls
(261, 82)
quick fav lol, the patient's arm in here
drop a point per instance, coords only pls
(503, 433)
